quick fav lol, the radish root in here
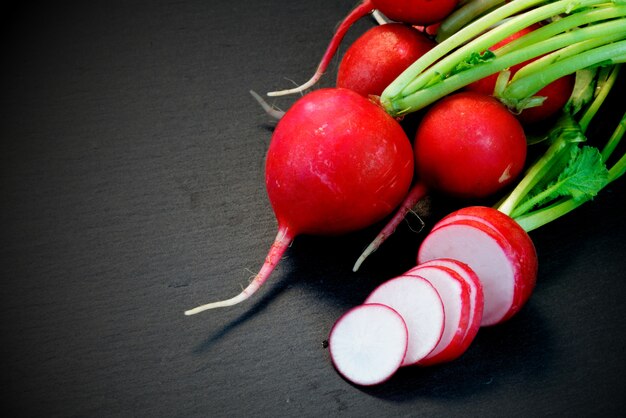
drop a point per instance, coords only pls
(357, 13)
(416, 193)
(278, 248)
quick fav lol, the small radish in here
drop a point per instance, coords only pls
(468, 145)
(417, 301)
(476, 300)
(336, 163)
(496, 248)
(556, 93)
(413, 12)
(455, 294)
(368, 343)
(378, 56)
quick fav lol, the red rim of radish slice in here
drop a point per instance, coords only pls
(455, 295)
(367, 344)
(476, 299)
(421, 306)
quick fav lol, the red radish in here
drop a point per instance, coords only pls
(556, 93)
(413, 12)
(336, 163)
(497, 249)
(476, 295)
(368, 343)
(417, 301)
(455, 294)
(468, 145)
(380, 55)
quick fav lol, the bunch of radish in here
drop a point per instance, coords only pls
(340, 161)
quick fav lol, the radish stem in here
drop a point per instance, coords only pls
(417, 192)
(278, 248)
(357, 13)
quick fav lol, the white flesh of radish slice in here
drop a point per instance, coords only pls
(422, 309)
(486, 253)
(455, 295)
(368, 343)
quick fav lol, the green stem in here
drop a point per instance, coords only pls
(417, 79)
(540, 217)
(584, 17)
(601, 94)
(536, 80)
(530, 84)
(538, 171)
(463, 15)
(614, 140)
(547, 214)
(468, 32)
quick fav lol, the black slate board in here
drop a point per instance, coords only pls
(132, 188)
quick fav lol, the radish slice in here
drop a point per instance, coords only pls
(422, 309)
(368, 343)
(455, 295)
(504, 269)
(476, 302)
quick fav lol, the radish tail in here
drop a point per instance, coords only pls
(278, 248)
(269, 109)
(357, 13)
(416, 193)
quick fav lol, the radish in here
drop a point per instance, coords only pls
(336, 163)
(455, 294)
(368, 343)
(468, 145)
(378, 56)
(476, 302)
(417, 301)
(413, 12)
(496, 248)
(556, 93)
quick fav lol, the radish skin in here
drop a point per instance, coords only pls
(476, 300)
(455, 294)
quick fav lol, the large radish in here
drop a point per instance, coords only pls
(412, 12)
(496, 248)
(336, 163)
(468, 145)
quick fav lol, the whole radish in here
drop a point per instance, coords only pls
(556, 93)
(378, 56)
(336, 163)
(412, 12)
(468, 145)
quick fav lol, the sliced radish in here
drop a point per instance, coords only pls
(476, 303)
(455, 295)
(368, 343)
(419, 303)
(497, 249)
